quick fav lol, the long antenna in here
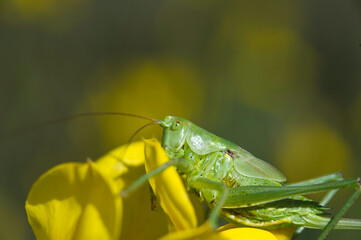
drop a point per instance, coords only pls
(42, 124)
(140, 129)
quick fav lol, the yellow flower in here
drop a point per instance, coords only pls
(74, 201)
(82, 201)
(231, 232)
(125, 165)
(169, 187)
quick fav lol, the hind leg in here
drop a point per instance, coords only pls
(337, 176)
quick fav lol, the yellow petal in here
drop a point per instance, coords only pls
(203, 232)
(169, 187)
(131, 154)
(74, 201)
(255, 233)
(117, 162)
(230, 232)
(247, 233)
(125, 165)
(283, 233)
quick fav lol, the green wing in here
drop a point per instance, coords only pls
(250, 166)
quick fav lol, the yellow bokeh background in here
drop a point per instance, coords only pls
(152, 88)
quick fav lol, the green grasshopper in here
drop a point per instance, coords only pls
(244, 189)
(236, 185)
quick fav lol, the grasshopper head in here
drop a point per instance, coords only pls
(175, 132)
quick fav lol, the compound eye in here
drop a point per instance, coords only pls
(176, 125)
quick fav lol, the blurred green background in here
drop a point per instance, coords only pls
(280, 78)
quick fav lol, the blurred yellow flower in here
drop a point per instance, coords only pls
(272, 66)
(82, 201)
(312, 149)
(149, 87)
